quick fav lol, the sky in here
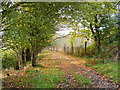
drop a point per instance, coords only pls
(64, 32)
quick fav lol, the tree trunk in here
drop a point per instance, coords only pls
(34, 57)
(99, 44)
(118, 38)
(19, 62)
(85, 47)
(28, 55)
(23, 58)
(98, 38)
(68, 50)
(94, 34)
(97, 33)
(64, 48)
(17, 67)
(72, 48)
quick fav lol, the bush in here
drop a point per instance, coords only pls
(9, 59)
(91, 51)
(93, 61)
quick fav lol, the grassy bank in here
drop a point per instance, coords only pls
(109, 70)
(105, 67)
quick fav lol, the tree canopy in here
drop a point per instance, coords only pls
(29, 27)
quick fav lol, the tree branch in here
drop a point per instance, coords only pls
(61, 37)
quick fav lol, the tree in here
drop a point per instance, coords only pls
(31, 28)
(93, 17)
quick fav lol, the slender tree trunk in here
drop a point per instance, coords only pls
(119, 58)
(118, 38)
(94, 34)
(64, 48)
(98, 39)
(99, 43)
(97, 33)
(72, 48)
(119, 52)
(85, 47)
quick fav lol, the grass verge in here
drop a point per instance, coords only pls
(109, 69)
(44, 78)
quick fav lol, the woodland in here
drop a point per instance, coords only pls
(31, 59)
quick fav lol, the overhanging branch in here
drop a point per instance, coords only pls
(61, 37)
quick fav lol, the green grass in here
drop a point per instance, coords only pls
(46, 78)
(82, 80)
(109, 69)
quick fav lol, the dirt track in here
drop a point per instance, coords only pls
(70, 65)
